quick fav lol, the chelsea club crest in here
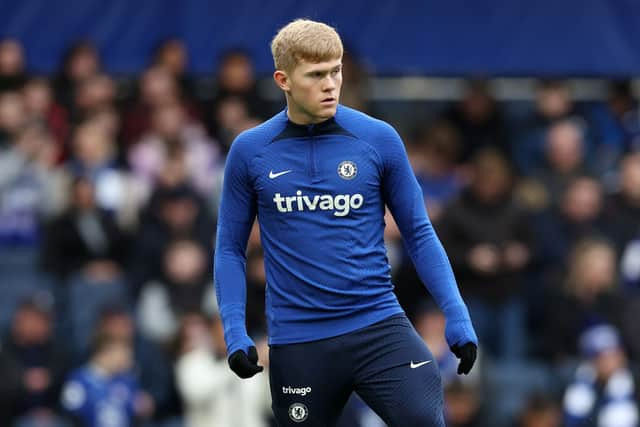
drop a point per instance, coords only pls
(298, 412)
(347, 169)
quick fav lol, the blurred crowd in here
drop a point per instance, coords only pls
(109, 187)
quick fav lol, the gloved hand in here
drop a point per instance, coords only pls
(467, 355)
(243, 364)
(462, 340)
(241, 350)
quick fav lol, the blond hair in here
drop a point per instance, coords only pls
(581, 255)
(306, 40)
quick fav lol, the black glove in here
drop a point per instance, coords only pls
(467, 355)
(245, 366)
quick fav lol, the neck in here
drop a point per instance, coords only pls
(300, 117)
(294, 118)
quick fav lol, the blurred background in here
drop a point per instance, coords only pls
(521, 122)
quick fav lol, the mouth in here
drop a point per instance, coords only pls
(328, 101)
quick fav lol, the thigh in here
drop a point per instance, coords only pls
(398, 377)
(310, 383)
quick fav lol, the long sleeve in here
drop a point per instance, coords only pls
(404, 198)
(236, 215)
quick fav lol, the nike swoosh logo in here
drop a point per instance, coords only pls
(275, 175)
(417, 365)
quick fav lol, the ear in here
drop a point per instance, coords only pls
(282, 80)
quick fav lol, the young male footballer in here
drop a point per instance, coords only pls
(318, 176)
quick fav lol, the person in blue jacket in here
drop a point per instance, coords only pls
(318, 176)
(105, 392)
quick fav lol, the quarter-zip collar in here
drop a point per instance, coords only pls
(327, 127)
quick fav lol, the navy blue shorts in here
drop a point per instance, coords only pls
(387, 364)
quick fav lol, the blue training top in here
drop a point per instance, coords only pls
(319, 192)
(98, 400)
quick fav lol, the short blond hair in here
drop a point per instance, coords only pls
(306, 40)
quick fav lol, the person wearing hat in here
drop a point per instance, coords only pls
(603, 391)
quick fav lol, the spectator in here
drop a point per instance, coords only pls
(540, 411)
(158, 88)
(462, 406)
(612, 121)
(553, 103)
(108, 118)
(95, 157)
(40, 105)
(184, 287)
(621, 102)
(622, 209)
(480, 121)
(489, 242)
(236, 77)
(151, 366)
(237, 100)
(85, 238)
(172, 213)
(578, 216)
(80, 61)
(39, 360)
(93, 94)
(13, 117)
(174, 136)
(602, 393)
(12, 66)
(588, 295)
(30, 188)
(440, 180)
(172, 55)
(232, 116)
(104, 392)
(565, 159)
(94, 153)
(213, 395)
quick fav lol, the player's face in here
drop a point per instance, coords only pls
(314, 91)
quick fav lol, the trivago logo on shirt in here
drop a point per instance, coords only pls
(342, 204)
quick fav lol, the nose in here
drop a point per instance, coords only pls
(329, 84)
